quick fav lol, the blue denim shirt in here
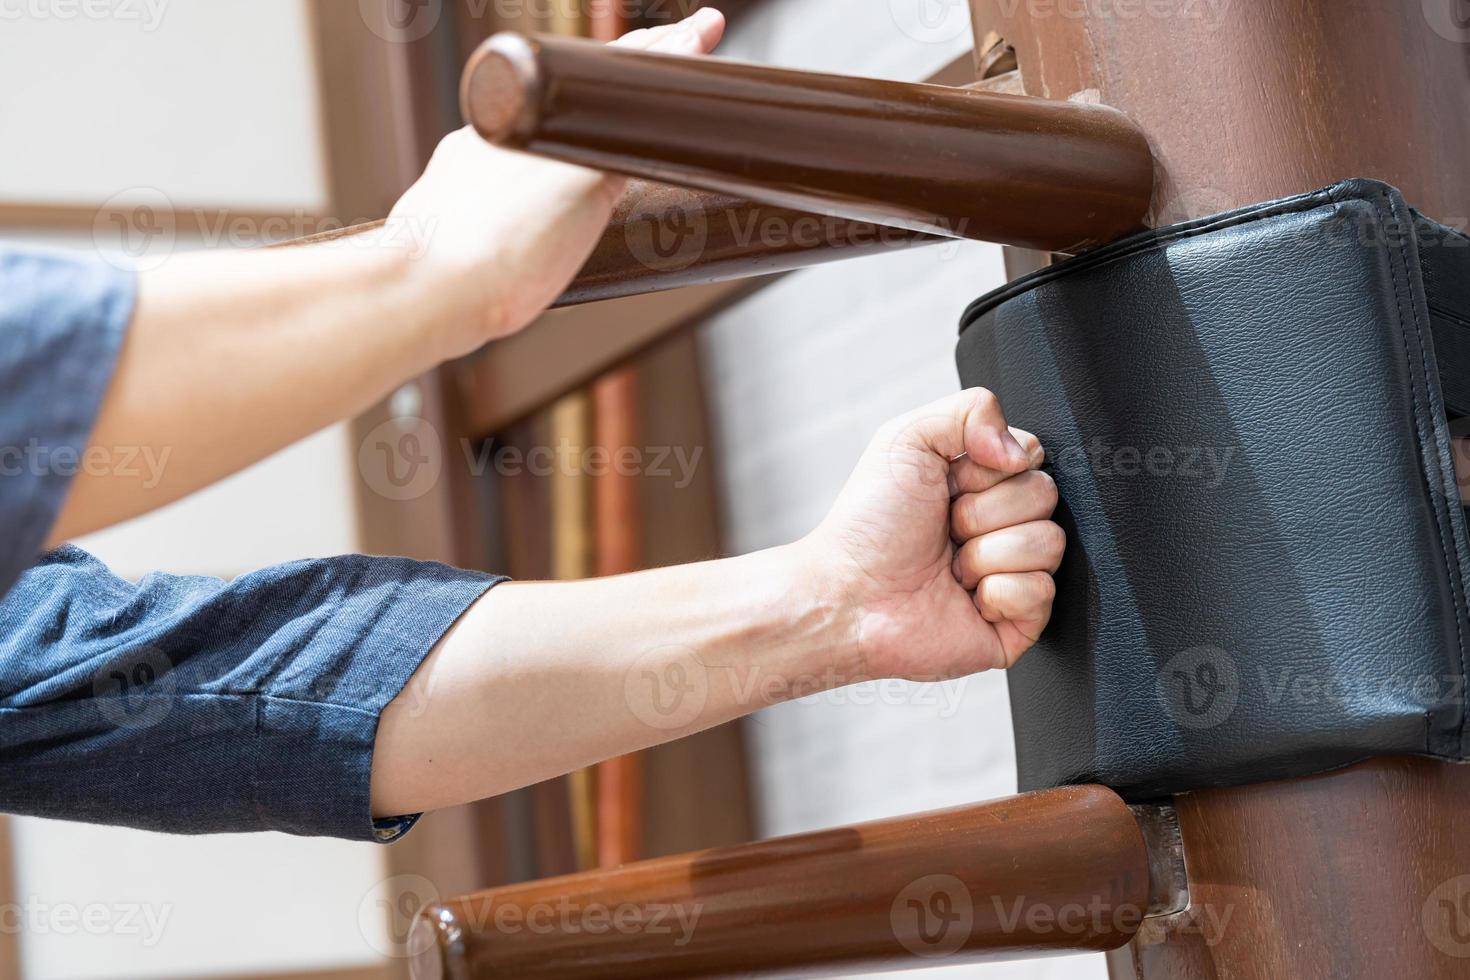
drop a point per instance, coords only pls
(178, 703)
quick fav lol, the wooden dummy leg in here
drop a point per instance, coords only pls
(1066, 870)
(1358, 874)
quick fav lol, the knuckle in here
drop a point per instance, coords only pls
(968, 549)
(1046, 589)
(1051, 538)
(972, 556)
(974, 516)
(1046, 490)
(1027, 594)
(991, 597)
(959, 516)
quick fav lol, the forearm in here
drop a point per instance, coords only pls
(232, 356)
(538, 679)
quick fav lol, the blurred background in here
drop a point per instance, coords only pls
(145, 128)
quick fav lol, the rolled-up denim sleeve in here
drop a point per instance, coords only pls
(63, 317)
(181, 704)
(191, 705)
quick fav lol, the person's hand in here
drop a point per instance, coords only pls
(940, 548)
(504, 232)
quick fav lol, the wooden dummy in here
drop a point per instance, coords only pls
(1345, 874)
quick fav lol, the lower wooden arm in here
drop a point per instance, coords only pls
(663, 237)
(1059, 871)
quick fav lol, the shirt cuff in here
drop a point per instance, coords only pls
(314, 759)
(189, 705)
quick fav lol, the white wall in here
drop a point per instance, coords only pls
(213, 104)
(799, 376)
(296, 504)
(190, 907)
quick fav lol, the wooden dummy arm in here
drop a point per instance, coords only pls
(773, 170)
(1058, 871)
(662, 237)
(1054, 176)
(751, 169)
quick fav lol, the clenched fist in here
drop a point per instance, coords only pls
(941, 545)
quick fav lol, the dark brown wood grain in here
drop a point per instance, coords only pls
(648, 245)
(663, 237)
(949, 161)
(1243, 102)
(1349, 875)
(1357, 874)
(1059, 871)
(666, 237)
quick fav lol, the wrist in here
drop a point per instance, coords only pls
(394, 297)
(437, 299)
(822, 619)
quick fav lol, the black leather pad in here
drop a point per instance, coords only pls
(1266, 566)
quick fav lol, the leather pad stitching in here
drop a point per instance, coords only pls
(1428, 450)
